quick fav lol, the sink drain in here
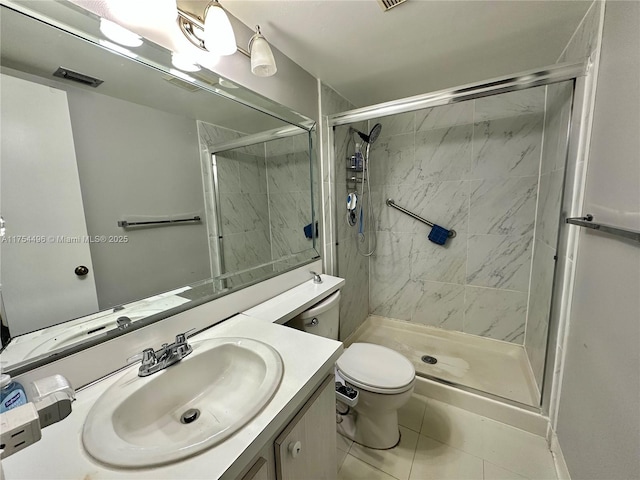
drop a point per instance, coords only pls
(190, 416)
(429, 359)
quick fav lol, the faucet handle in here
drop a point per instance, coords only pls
(316, 277)
(147, 357)
(182, 337)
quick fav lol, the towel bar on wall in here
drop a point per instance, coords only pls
(587, 222)
(391, 203)
(125, 223)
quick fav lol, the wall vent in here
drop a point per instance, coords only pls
(67, 74)
(190, 87)
(387, 5)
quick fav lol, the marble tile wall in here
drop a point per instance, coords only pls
(265, 197)
(473, 167)
(552, 176)
(340, 250)
(243, 199)
(289, 194)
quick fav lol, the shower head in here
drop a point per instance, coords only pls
(373, 134)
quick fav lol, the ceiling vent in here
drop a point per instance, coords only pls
(387, 5)
(190, 87)
(67, 74)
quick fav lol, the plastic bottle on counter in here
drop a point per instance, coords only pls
(12, 394)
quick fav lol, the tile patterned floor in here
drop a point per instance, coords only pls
(441, 442)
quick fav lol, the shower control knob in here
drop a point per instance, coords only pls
(81, 270)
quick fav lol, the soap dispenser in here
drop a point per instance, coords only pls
(12, 394)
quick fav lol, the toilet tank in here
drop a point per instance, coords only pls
(322, 319)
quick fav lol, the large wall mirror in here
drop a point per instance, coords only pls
(131, 191)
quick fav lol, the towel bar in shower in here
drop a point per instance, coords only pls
(587, 222)
(126, 223)
(391, 203)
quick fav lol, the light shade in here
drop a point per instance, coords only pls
(184, 62)
(262, 62)
(219, 38)
(119, 34)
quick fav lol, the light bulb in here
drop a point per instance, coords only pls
(184, 62)
(219, 38)
(157, 14)
(119, 34)
(117, 48)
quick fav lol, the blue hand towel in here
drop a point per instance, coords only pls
(308, 231)
(438, 234)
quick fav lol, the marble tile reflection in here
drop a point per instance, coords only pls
(444, 154)
(584, 40)
(507, 147)
(439, 305)
(443, 203)
(228, 173)
(394, 124)
(543, 266)
(440, 263)
(503, 206)
(499, 261)
(498, 314)
(549, 207)
(512, 104)
(392, 160)
(445, 116)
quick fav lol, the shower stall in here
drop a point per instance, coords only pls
(467, 296)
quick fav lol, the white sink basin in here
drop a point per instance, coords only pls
(138, 422)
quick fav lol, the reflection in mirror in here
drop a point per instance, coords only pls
(118, 206)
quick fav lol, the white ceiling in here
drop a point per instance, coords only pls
(370, 56)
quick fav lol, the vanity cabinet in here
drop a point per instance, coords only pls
(307, 446)
(259, 470)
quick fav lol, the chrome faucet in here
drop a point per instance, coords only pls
(316, 277)
(155, 360)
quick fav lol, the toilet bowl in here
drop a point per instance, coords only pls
(383, 378)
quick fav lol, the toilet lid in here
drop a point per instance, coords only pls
(377, 367)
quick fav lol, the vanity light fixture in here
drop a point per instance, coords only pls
(262, 62)
(119, 34)
(214, 34)
(184, 62)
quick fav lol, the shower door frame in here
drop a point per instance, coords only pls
(578, 72)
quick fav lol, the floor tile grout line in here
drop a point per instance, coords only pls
(374, 467)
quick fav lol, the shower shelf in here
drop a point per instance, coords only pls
(356, 180)
(354, 169)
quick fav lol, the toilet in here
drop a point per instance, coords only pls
(383, 378)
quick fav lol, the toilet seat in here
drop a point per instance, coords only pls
(376, 369)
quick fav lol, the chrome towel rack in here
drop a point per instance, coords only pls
(391, 203)
(587, 222)
(125, 223)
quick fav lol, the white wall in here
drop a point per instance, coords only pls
(137, 161)
(599, 416)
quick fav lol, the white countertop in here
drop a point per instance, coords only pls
(307, 360)
(284, 307)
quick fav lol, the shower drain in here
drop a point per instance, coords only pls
(429, 359)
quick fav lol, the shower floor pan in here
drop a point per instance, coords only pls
(498, 368)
